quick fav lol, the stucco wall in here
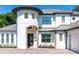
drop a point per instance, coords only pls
(22, 25)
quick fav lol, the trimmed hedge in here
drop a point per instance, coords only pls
(46, 46)
(7, 46)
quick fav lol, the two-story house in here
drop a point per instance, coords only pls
(36, 28)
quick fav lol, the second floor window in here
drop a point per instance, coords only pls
(73, 18)
(63, 19)
(33, 16)
(26, 15)
(46, 20)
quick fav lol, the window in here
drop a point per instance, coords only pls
(32, 15)
(12, 38)
(54, 18)
(26, 14)
(46, 20)
(61, 37)
(2, 38)
(7, 38)
(46, 37)
(63, 19)
(73, 18)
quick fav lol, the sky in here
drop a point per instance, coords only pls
(8, 8)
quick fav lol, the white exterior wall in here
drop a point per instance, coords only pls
(60, 44)
(14, 33)
(58, 18)
(52, 38)
(73, 42)
(22, 24)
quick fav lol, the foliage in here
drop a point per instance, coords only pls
(7, 46)
(7, 19)
(46, 46)
(76, 8)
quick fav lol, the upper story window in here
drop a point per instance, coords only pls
(33, 16)
(63, 19)
(46, 20)
(26, 15)
(73, 18)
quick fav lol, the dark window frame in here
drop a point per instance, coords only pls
(61, 36)
(73, 18)
(2, 38)
(46, 21)
(33, 15)
(45, 39)
(26, 14)
(12, 38)
(63, 19)
(7, 38)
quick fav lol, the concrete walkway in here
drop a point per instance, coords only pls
(35, 51)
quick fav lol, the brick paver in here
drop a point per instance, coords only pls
(35, 51)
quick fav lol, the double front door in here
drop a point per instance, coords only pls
(30, 40)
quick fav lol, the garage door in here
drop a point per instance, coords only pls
(75, 40)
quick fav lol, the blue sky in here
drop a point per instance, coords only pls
(8, 8)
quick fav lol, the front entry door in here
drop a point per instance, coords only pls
(30, 40)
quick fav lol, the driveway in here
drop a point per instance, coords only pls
(35, 51)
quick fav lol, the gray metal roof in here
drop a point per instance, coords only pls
(53, 11)
(9, 28)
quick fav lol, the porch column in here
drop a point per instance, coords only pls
(26, 38)
(35, 39)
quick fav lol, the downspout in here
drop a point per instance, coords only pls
(55, 30)
(70, 35)
(66, 39)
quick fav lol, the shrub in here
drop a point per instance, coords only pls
(7, 46)
(46, 46)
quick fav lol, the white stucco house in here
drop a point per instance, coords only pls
(36, 28)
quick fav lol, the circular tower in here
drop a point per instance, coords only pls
(27, 26)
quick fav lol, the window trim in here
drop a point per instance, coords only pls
(2, 38)
(45, 38)
(26, 15)
(61, 36)
(73, 18)
(33, 15)
(45, 20)
(63, 19)
(12, 38)
(7, 38)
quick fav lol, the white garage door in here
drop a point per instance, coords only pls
(75, 40)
